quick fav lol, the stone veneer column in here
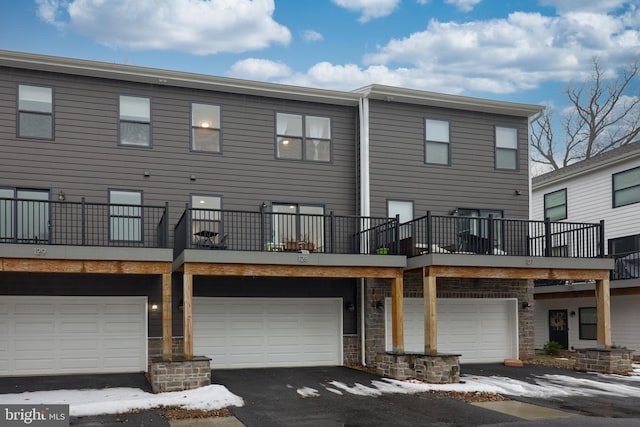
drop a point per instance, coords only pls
(179, 375)
(614, 361)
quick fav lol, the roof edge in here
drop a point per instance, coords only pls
(172, 78)
(414, 96)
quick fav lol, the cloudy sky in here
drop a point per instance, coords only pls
(515, 50)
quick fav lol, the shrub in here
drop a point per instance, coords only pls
(552, 348)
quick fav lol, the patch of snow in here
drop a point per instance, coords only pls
(121, 399)
(308, 392)
(333, 390)
(357, 389)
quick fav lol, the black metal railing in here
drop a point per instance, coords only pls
(500, 236)
(48, 222)
(626, 266)
(278, 232)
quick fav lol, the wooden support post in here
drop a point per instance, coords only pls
(430, 315)
(603, 308)
(397, 315)
(166, 317)
(187, 297)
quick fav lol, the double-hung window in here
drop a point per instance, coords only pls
(35, 112)
(135, 121)
(588, 323)
(205, 128)
(506, 148)
(436, 148)
(555, 205)
(303, 137)
(626, 187)
(125, 216)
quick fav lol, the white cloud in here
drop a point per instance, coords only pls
(369, 9)
(259, 69)
(464, 5)
(506, 55)
(311, 36)
(563, 6)
(195, 26)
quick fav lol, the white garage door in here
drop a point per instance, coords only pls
(68, 335)
(480, 330)
(268, 332)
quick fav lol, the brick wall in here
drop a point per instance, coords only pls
(155, 347)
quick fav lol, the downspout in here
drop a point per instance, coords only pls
(365, 205)
(531, 120)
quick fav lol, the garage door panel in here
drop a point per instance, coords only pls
(272, 332)
(481, 330)
(34, 327)
(51, 335)
(70, 309)
(34, 309)
(79, 326)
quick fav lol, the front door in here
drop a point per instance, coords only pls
(558, 328)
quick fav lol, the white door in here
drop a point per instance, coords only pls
(268, 332)
(67, 335)
(480, 330)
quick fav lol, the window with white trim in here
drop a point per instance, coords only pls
(205, 128)
(626, 187)
(35, 112)
(301, 137)
(506, 148)
(436, 148)
(555, 205)
(125, 215)
(588, 323)
(135, 121)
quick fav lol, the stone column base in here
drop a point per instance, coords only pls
(614, 361)
(432, 368)
(179, 374)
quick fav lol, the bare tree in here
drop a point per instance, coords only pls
(602, 116)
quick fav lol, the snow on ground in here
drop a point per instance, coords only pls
(122, 399)
(117, 400)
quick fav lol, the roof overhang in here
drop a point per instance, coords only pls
(434, 99)
(156, 76)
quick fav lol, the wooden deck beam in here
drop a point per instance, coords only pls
(167, 332)
(272, 270)
(516, 273)
(603, 309)
(430, 315)
(187, 314)
(36, 265)
(397, 315)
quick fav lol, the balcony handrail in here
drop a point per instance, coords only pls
(262, 230)
(500, 236)
(82, 223)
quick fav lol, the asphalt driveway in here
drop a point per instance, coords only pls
(283, 397)
(588, 394)
(338, 396)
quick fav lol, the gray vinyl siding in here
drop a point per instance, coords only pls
(398, 170)
(85, 159)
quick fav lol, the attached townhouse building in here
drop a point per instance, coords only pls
(150, 215)
(606, 187)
